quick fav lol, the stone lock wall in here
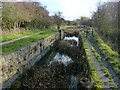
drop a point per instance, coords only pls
(14, 63)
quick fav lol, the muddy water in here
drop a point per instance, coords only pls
(56, 56)
(73, 38)
(62, 58)
(73, 82)
(65, 59)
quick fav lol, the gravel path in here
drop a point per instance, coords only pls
(14, 40)
(101, 74)
(112, 73)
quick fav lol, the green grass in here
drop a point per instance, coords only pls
(94, 75)
(110, 55)
(26, 41)
(104, 69)
(15, 36)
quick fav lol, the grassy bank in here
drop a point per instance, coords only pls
(104, 69)
(94, 75)
(25, 33)
(26, 41)
(110, 55)
(15, 36)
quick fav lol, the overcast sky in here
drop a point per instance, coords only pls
(71, 9)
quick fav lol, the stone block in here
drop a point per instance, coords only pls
(15, 63)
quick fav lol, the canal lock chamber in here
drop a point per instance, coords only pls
(66, 67)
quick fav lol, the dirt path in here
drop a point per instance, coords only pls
(101, 74)
(11, 41)
(112, 73)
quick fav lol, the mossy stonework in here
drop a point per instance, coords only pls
(16, 62)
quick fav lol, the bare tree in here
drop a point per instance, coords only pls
(106, 20)
(58, 19)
